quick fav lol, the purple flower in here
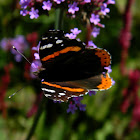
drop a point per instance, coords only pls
(111, 2)
(6, 43)
(36, 55)
(18, 58)
(104, 9)
(87, 1)
(95, 31)
(73, 8)
(57, 101)
(75, 31)
(90, 43)
(36, 48)
(71, 35)
(47, 5)
(35, 66)
(21, 44)
(24, 3)
(23, 12)
(58, 1)
(108, 69)
(33, 13)
(113, 82)
(92, 92)
(72, 108)
(77, 100)
(94, 19)
(82, 107)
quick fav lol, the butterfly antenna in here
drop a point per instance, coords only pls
(15, 93)
(21, 54)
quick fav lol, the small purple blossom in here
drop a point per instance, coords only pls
(82, 107)
(58, 1)
(23, 12)
(47, 5)
(36, 55)
(87, 1)
(36, 48)
(113, 82)
(21, 44)
(57, 101)
(6, 43)
(108, 69)
(18, 58)
(77, 100)
(73, 8)
(35, 66)
(91, 44)
(75, 31)
(72, 108)
(94, 19)
(104, 9)
(34, 13)
(71, 35)
(95, 32)
(110, 2)
(92, 92)
(24, 3)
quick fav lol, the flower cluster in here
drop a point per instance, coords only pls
(36, 64)
(91, 11)
(76, 102)
(19, 42)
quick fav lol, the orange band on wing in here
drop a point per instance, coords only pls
(106, 82)
(73, 48)
(65, 88)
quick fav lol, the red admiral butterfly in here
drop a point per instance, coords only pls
(69, 68)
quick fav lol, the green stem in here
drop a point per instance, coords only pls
(37, 116)
(59, 19)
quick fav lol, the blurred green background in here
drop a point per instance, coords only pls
(103, 118)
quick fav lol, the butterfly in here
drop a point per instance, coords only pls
(70, 69)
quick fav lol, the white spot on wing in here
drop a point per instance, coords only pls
(83, 43)
(46, 46)
(48, 90)
(74, 96)
(44, 38)
(62, 94)
(78, 40)
(59, 41)
(56, 38)
(47, 95)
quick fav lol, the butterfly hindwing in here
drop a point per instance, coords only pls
(61, 91)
